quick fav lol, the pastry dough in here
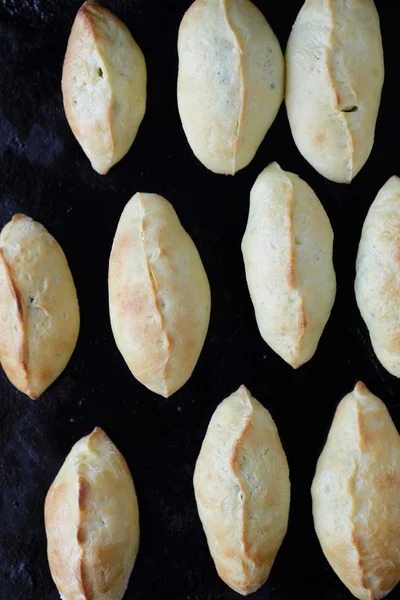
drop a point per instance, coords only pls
(92, 522)
(377, 284)
(242, 488)
(39, 312)
(287, 251)
(334, 79)
(356, 491)
(103, 85)
(159, 295)
(230, 81)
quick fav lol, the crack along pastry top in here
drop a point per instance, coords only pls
(92, 522)
(103, 85)
(287, 250)
(159, 294)
(242, 488)
(334, 78)
(378, 275)
(230, 81)
(39, 312)
(356, 491)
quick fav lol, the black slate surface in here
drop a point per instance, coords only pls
(45, 174)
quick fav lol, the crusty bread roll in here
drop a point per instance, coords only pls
(287, 252)
(159, 295)
(378, 274)
(103, 85)
(230, 81)
(242, 488)
(334, 78)
(92, 522)
(39, 312)
(356, 491)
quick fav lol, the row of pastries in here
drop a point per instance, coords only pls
(232, 79)
(242, 490)
(159, 294)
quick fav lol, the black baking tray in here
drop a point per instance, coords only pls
(45, 174)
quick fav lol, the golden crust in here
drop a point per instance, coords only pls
(356, 492)
(334, 78)
(230, 81)
(242, 488)
(159, 295)
(92, 522)
(39, 312)
(103, 85)
(287, 250)
(378, 272)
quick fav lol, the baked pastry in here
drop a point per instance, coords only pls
(287, 251)
(39, 312)
(103, 85)
(242, 488)
(230, 81)
(159, 295)
(356, 491)
(334, 78)
(378, 275)
(92, 522)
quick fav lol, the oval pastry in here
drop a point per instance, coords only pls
(356, 491)
(334, 79)
(103, 85)
(242, 488)
(159, 295)
(92, 522)
(230, 81)
(287, 251)
(378, 275)
(39, 312)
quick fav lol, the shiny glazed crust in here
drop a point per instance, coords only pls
(378, 274)
(287, 250)
(39, 312)
(242, 488)
(356, 491)
(334, 78)
(159, 295)
(230, 81)
(103, 85)
(92, 522)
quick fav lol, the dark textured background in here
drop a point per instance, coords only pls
(45, 174)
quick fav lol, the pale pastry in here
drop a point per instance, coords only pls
(230, 81)
(377, 284)
(356, 491)
(159, 295)
(334, 79)
(242, 489)
(103, 85)
(39, 312)
(287, 251)
(92, 522)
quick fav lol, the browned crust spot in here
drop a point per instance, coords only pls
(292, 256)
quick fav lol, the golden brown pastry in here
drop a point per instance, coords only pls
(356, 491)
(378, 275)
(242, 488)
(103, 85)
(230, 81)
(39, 312)
(334, 78)
(92, 522)
(159, 295)
(287, 251)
